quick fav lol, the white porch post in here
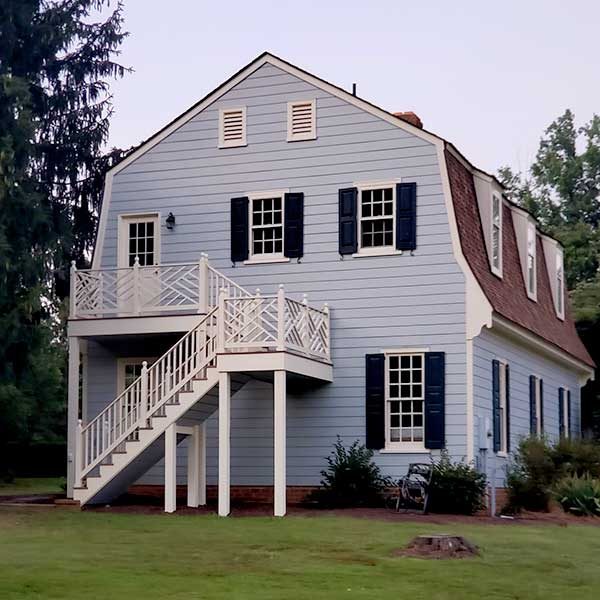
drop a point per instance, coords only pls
(279, 443)
(171, 468)
(224, 442)
(72, 412)
(196, 481)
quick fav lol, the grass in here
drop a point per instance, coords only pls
(32, 485)
(58, 553)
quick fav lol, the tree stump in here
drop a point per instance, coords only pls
(441, 545)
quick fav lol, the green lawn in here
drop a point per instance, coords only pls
(38, 485)
(57, 553)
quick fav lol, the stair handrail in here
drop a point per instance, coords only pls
(190, 355)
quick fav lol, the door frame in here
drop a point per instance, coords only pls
(123, 236)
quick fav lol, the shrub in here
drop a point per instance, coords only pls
(531, 475)
(579, 495)
(577, 457)
(456, 487)
(351, 479)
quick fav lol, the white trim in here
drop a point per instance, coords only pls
(470, 402)
(224, 461)
(274, 256)
(531, 244)
(123, 235)
(559, 298)
(132, 325)
(279, 443)
(220, 92)
(266, 261)
(496, 269)
(421, 350)
(386, 250)
(223, 143)
(417, 450)
(310, 135)
(370, 252)
(126, 360)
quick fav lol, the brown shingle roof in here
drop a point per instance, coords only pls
(508, 295)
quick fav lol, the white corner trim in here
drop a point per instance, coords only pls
(99, 247)
(470, 404)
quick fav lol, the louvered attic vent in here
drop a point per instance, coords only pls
(302, 121)
(232, 127)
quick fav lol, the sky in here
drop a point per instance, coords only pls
(488, 76)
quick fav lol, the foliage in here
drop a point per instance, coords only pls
(55, 62)
(351, 479)
(456, 487)
(579, 495)
(538, 465)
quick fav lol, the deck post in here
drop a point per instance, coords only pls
(203, 284)
(73, 291)
(221, 322)
(196, 481)
(136, 286)
(281, 318)
(73, 412)
(305, 322)
(328, 334)
(144, 393)
(171, 468)
(78, 454)
(279, 443)
(224, 442)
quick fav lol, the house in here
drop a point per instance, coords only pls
(285, 263)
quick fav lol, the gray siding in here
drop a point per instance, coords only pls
(488, 346)
(377, 303)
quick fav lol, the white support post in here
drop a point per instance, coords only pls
(196, 482)
(328, 332)
(279, 443)
(221, 322)
(203, 284)
(136, 286)
(305, 336)
(73, 412)
(144, 393)
(281, 318)
(171, 468)
(73, 291)
(224, 442)
(78, 454)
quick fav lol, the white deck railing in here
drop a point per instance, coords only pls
(148, 290)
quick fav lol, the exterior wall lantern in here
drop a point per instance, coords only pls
(170, 221)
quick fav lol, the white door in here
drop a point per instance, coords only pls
(139, 236)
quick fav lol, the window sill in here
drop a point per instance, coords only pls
(409, 450)
(390, 252)
(502, 454)
(267, 260)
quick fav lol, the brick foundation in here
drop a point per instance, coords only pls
(296, 494)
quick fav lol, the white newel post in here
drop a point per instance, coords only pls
(73, 412)
(221, 322)
(171, 468)
(73, 291)
(203, 300)
(196, 490)
(136, 286)
(224, 442)
(279, 443)
(281, 318)
(144, 393)
(328, 330)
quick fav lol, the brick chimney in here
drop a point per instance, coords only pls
(410, 117)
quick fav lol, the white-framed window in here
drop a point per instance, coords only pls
(266, 225)
(531, 262)
(376, 218)
(502, 366)
(139, 236)
(301, 120)
(129, 369)
(560, 285)
(405, 401)
(497, 234)
(232, 127)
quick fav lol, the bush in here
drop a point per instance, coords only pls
(579, 495)
(576, 457)
(352, 478)
(456, 488)
(531, 475)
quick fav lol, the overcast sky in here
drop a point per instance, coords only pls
(488, 76)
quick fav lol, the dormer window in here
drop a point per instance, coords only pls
(531, 262)
(560, 285)
(496, 235)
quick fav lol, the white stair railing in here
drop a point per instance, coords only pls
(171, 373)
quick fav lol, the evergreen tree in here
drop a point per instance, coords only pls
(55, 106)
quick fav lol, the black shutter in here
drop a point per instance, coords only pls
(541, 415)
(561, 412)
(406, 216)
(507, 399)
(347, 220)
(532, 406)
(570, 430)
(435, 375)
(239, 229)
(375, 400)
(496, 405)
(293, 231)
